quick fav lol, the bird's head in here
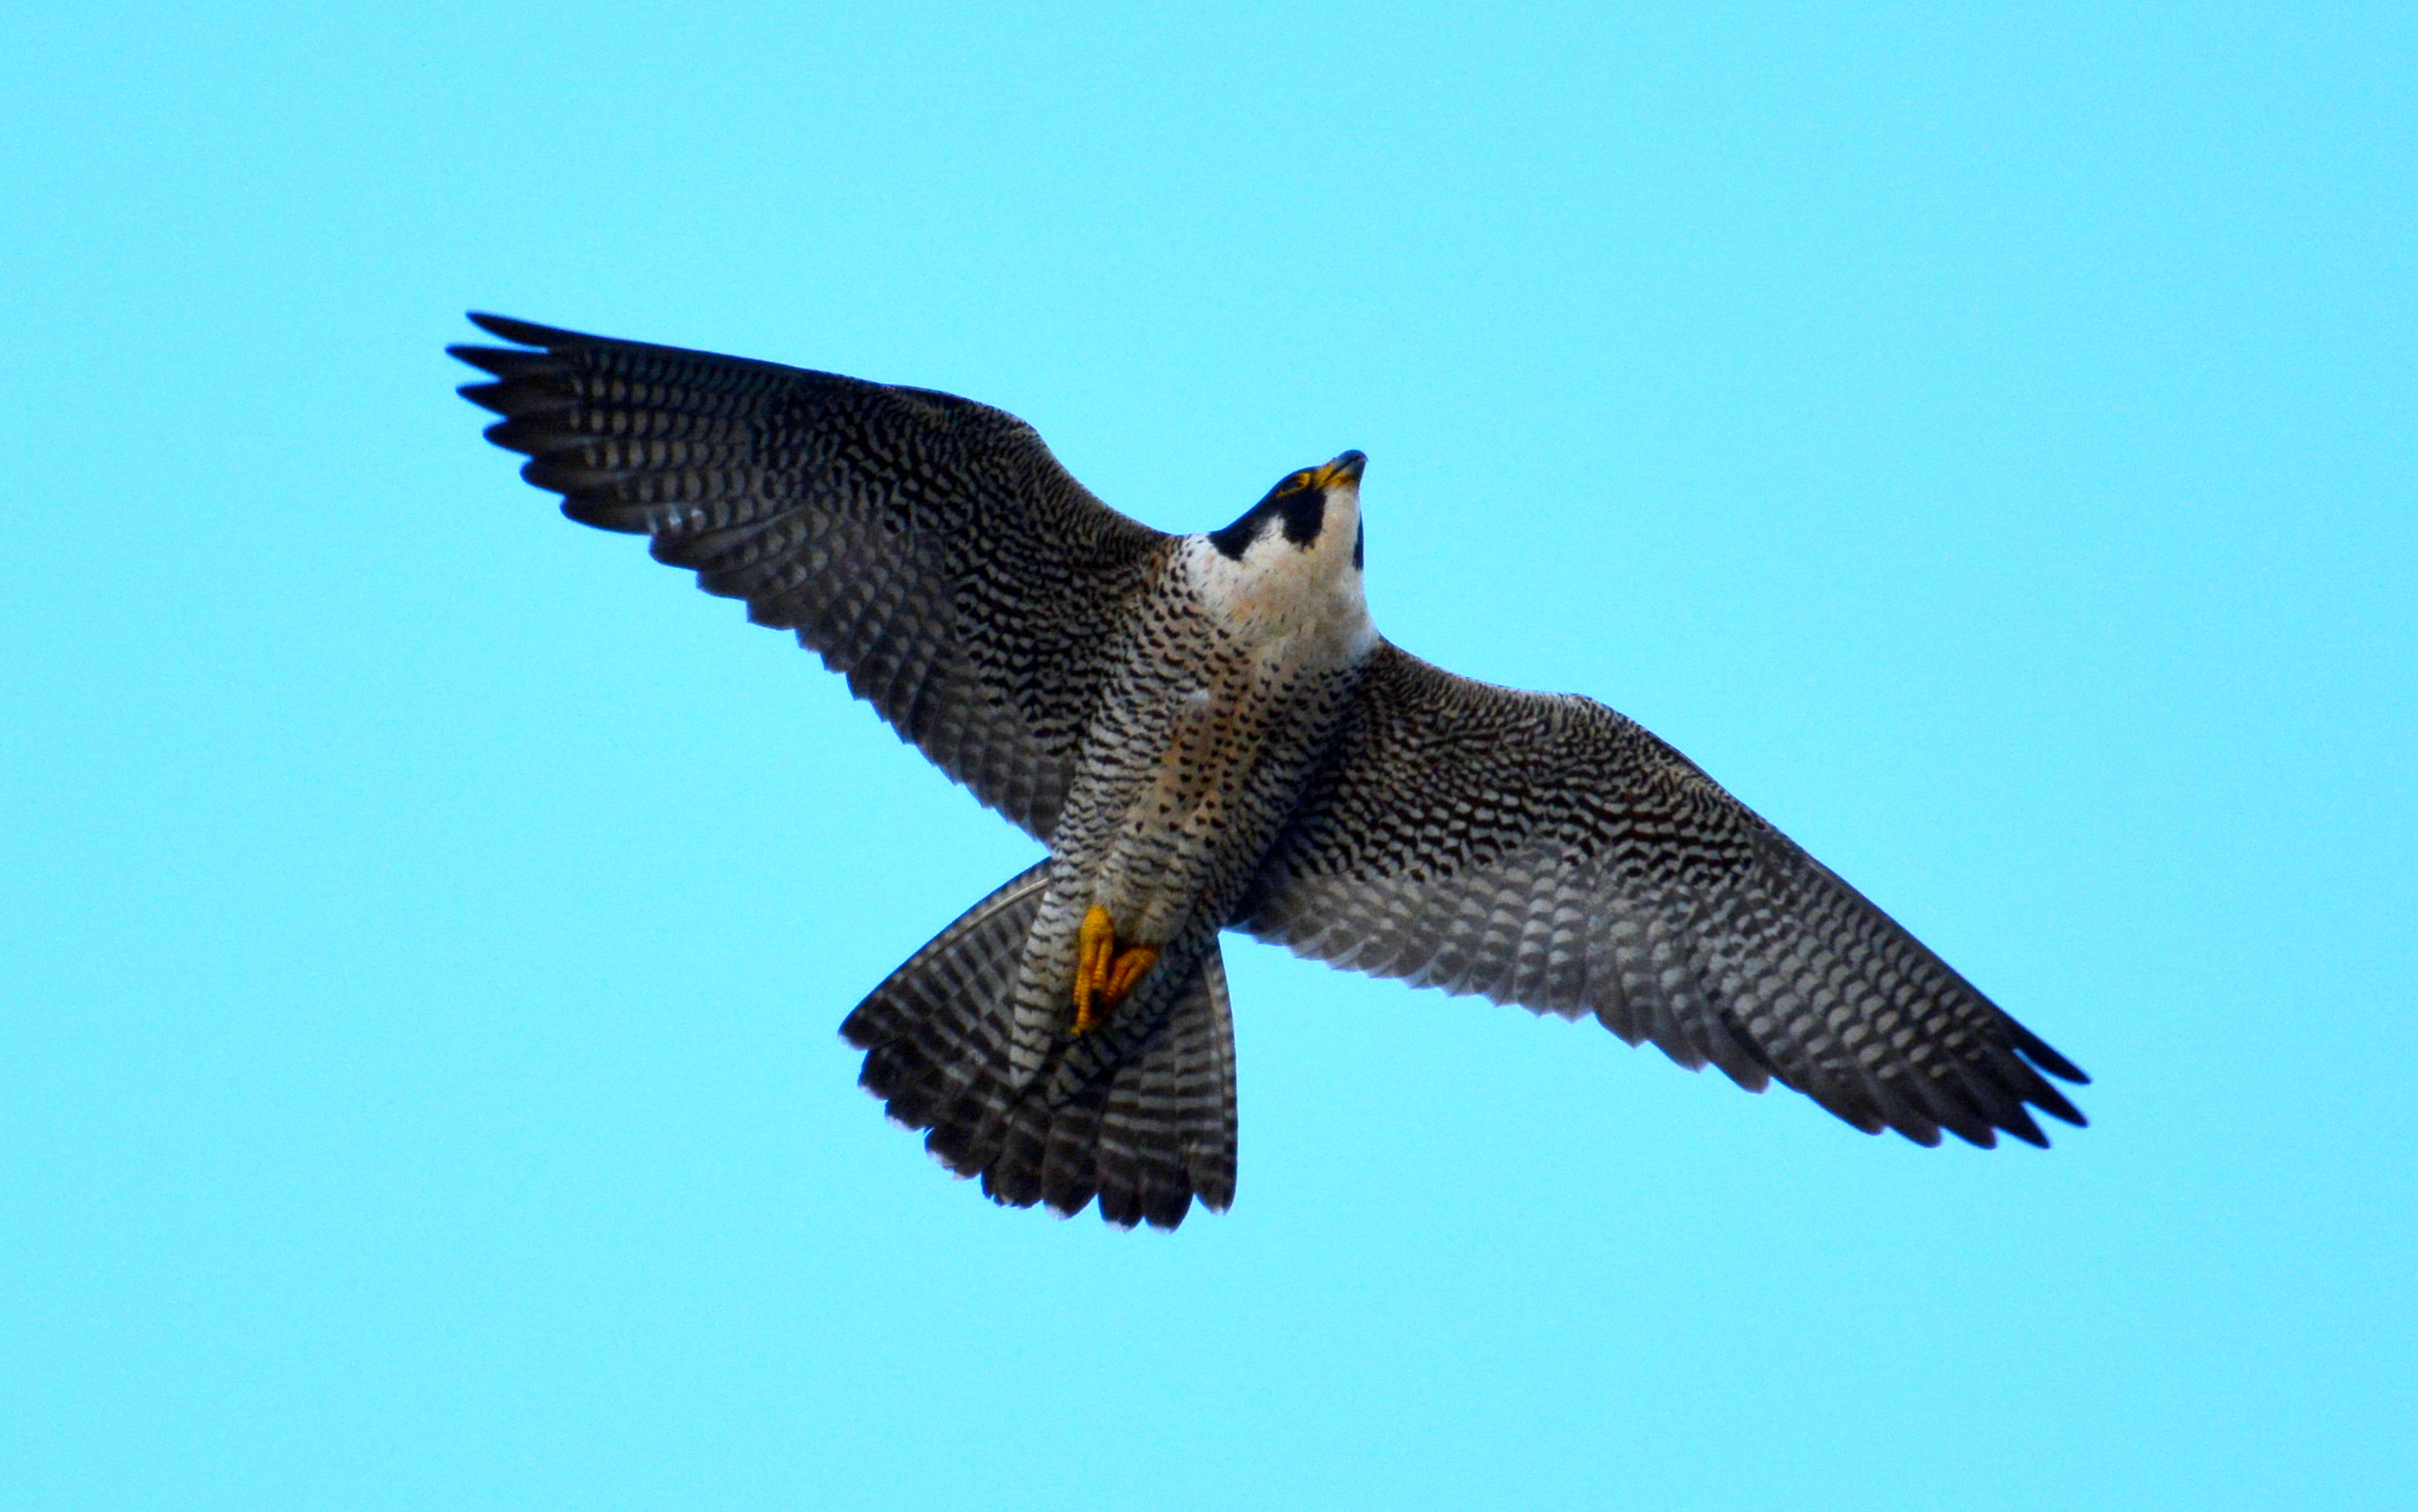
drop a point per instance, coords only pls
(1291, 565)
(1314, 512)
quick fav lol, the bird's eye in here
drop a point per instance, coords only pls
(1295, 483)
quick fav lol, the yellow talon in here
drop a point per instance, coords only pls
(1105, 975)
(1095, 945)
(1130, 966)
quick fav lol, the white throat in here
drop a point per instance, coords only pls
(1290, 600)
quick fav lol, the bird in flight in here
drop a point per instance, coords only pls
(1207, 734)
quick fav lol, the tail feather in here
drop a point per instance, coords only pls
(1167, 1131)
(1141, 1120)
(932, 1032)
(1070, 1172)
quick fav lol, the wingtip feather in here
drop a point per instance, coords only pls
(527, 332)
(2037, 1052)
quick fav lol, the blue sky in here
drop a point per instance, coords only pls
(1983, 438)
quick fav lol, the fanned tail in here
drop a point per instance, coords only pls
(935, 1034)
(1141, 1119)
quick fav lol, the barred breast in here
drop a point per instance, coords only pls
(1225, 693)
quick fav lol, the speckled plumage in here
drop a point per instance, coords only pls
(1207, 734)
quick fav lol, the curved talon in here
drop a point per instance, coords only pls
(1094, 947)
(1105, 975)
(1131, 965)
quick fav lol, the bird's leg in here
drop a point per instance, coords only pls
(1104, 974)
(1095, 946)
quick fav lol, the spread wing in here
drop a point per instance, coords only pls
(929, 547)
(1544, 850)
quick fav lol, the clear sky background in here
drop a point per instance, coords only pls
(1982, 439)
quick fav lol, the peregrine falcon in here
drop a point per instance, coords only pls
(1207, 734)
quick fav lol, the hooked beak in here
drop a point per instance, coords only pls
(1346, 469)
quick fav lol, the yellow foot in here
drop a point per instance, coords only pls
(1126, 970)
(1105, 975)
(1094, 947)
